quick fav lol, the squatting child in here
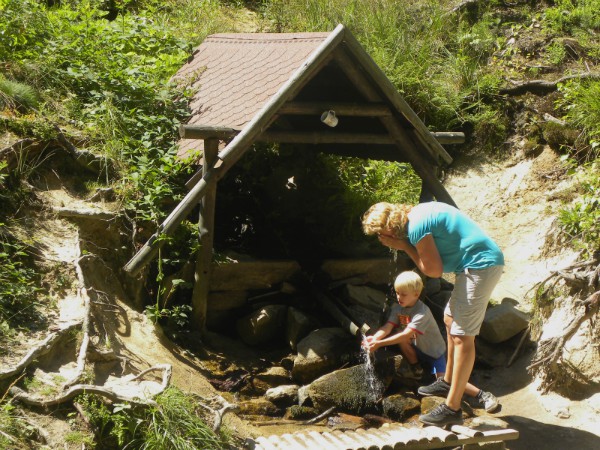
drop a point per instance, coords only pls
(412, 327)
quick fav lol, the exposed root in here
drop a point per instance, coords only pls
(43, 348)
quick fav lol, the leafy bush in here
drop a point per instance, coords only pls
(581, 220)
(15, 433)
(18, 282)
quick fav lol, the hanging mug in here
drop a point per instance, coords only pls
(329, 118)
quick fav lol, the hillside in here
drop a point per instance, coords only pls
(68, 225)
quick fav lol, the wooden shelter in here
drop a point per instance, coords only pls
(277, 88)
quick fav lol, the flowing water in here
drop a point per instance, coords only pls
(372, 382)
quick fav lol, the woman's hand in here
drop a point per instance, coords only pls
(394, 242)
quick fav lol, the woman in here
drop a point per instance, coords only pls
(441, 239)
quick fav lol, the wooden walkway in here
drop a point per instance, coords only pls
(388, 437)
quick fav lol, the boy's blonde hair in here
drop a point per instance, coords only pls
(409, 281)
(386, 216)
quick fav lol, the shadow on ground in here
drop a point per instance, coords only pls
(537, 435)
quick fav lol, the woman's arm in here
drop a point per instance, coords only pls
(425, 255)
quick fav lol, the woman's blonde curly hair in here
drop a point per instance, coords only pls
(386, 216)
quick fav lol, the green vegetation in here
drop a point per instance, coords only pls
(174, 424)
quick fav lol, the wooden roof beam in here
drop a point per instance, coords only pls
(341, 109)
(299, 137)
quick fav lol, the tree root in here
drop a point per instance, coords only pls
(43, 348)
(550, 350)
(542, 87)
(26, 398)
(218, 413)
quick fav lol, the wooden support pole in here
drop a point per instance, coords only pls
(403, 141)
(206, 227)
(235, 149)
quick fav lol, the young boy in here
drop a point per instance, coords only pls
(412, 326)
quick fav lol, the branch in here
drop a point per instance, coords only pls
(219, 413)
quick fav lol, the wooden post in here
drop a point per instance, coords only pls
(206, 227)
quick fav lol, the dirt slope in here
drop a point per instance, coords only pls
(516, 201)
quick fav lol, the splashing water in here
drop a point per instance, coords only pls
(373, 384)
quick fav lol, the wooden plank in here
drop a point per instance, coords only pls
(461, 429)
(235, 149)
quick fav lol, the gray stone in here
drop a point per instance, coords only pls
(502, 322)
(299, 325)
(262, 382)
(263, 326)
(320, 352)
(258, 407)
(371, 270)
(286, 394)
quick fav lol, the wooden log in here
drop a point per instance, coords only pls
(206, 225)
(338, 315)
(460, 429)
(235, 149)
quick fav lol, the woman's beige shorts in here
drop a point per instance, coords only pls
(472, 291)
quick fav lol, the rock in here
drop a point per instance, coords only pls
(437, 303)
(361, 315)
(432, 286)
(350, 390)
(321, 351)
(366, 297)
(240, 275)
(299, 325)
(263, 326)
(502, 322)
(270, 378)
(258, 407)
(286, 394)
(399, 407)
(296, 412)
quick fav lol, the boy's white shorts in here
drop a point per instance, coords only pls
(468, 303)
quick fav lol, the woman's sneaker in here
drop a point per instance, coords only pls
(438, 388)
(441, 416)
(487, 400)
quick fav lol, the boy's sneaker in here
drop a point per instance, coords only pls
(441, 416)
(487, 400)
(439, 388)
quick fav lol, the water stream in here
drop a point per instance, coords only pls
(373, 384)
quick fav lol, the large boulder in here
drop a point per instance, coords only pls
(264, 325)
(502, 322)
(355, 390)
(322, 351)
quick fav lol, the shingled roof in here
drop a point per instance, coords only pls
(236, 74)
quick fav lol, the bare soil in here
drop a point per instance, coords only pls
(516, 200)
